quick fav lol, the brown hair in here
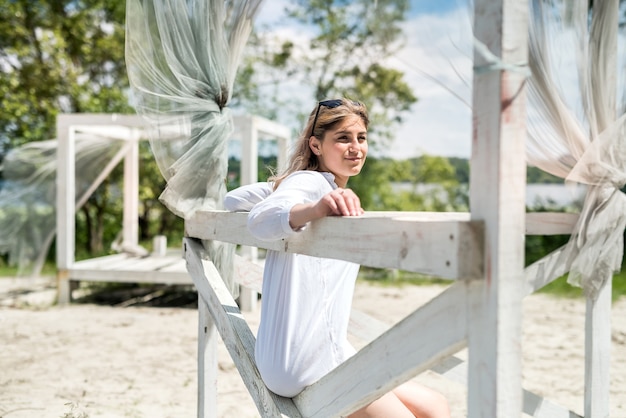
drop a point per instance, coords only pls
(328, 117)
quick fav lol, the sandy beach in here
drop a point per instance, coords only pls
(93, 360)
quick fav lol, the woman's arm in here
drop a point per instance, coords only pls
(243, 199)
(300, 198)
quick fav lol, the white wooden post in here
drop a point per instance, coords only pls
(249, 174)
(497, 189)
(598, 314)
(159, 246)
(130, 220)
(66, 200)
(598, 354)
(281, 158)
(207, 362)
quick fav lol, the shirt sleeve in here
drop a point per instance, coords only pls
(269, 219)
(243, 199)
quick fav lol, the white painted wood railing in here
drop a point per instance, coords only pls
(442, 322)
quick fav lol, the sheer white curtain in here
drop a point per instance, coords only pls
(182, 58)
(28, 194)
(577, 125)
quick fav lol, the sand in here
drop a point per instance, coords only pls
(93, 360)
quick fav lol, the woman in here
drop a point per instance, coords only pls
(306, 300)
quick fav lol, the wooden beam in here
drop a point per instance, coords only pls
(425, 337)
(598, 352)
(235, 333)
(65, 206)
(100, 119)
(207, 362)
(550, 223)
(443, 248)
(130, 217)
(545, 270)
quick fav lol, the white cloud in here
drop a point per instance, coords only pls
(437, 48)
(437, 65)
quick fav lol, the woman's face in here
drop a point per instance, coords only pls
(343, 150)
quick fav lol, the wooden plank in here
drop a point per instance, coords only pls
(545, 270)
(150, 263)
(130, 216)
(422, 339)
(65, 205)
(449, 249)
(177, 264)
(598, 353)
(127, 276)
(537, 223)
(550, 223)
(127, 262)
(235, 333)
(207, 362)
(249, 175)
(540, 407)
(100, 119)
(112, 263)
(100, 262)
(497, 184)
(603, 67)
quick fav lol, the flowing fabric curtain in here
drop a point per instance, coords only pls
(28, 194)
(577, 125)
(182, 58)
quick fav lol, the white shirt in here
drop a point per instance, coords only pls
(306, 300)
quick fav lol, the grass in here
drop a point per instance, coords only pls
(49, 269)
(391, 277)
(559, 287)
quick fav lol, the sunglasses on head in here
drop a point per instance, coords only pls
(331, 104)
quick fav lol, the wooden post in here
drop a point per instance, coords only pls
(207, 362)
(598, 353)
(66, 201)
(603, 78)
(249, 174)
(497, 186)
(130, 220)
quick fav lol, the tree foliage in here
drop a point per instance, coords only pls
(67, 56)
(342, 54)
(58, 56)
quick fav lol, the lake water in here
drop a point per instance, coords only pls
(558, 195)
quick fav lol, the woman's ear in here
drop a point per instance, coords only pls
(314, 144)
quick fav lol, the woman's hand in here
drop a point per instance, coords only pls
(339, 202)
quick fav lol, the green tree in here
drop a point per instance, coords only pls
(58, 56)
(67, 56)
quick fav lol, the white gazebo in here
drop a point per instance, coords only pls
(162, 265)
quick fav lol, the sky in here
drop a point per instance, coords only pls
(436, 65)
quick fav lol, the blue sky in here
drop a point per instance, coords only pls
(432, 6)
(435, 56)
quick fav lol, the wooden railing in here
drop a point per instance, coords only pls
(424, 242)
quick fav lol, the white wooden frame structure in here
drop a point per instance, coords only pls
(167, 267)
(482, 250)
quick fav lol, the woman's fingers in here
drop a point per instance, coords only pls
(344, 202)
